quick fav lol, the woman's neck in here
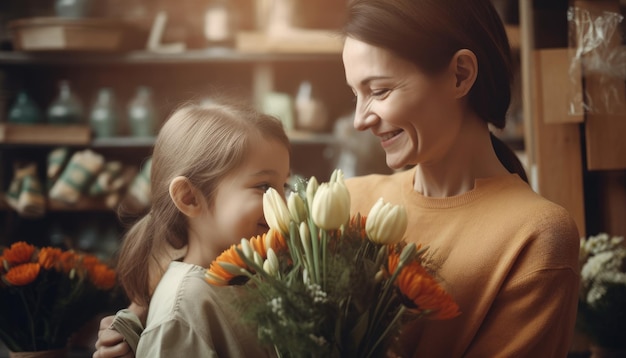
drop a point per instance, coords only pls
(471, 157)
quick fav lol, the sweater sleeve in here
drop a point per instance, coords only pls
(171, 339)
(532, 317)
(534, 313)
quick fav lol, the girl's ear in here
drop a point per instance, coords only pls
(464, 65)
(185, 196)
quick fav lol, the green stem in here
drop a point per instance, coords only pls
(324, 260)
(315, 243)
(387, 330)
(30, 321)
(384, 297)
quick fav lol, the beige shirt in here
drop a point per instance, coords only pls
(188, 318)
(508, 257)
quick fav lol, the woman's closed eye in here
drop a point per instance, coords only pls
(380, 93)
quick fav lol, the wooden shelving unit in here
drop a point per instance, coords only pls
(44, 134)
(140, 57)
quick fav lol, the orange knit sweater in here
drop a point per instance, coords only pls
(508, 257)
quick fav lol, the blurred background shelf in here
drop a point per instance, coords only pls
(44, 134)
(139, 57)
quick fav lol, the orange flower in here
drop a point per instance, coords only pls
(19, 253)
(23, 274)
(89, 261)
(357, 222)
(68, 260)
(218, 275)
(275, 240)
(421, 292)
(102, 276)
(49, 257)
(257, 244)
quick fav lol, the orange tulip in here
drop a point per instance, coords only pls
(23, 274)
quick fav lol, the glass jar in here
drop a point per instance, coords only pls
(219, 24)
(142, 115)
(24, 110)
(103, 117)
(66, 108)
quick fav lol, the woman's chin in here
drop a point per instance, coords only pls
(396, 163)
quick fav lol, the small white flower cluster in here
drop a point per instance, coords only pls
(317, 294)
(603, 260)
(597, 244)
(598, 288)
(278, 309)
(320, 341)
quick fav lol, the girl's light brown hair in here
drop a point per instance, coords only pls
(203, 143)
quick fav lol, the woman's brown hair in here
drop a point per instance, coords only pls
(429, 32)
(203, 143)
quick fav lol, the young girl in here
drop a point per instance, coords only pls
(210, 167)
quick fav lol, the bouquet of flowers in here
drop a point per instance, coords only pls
(46, 294)
(323, 284)
(602, 300)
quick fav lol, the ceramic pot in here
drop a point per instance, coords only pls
(602, 352)
(53, 353)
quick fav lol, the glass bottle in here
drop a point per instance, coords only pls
(24, 110)
(66, 108)
(219, 24)
(142, 115)
(72, 8)
(103, 117)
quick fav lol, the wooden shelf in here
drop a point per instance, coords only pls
(44, 134)
(80, 135)
(205, 56)
(123, 142)
(296, 137)
(291, 41)
(83, 204)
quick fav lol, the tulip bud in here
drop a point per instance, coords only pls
(337, 177)
(379, 276)
(215, 279)
(304, 232)
(233, 269)
(331, 206)
(271, 264)
(305, 277)
(386, 223)
(408, 253)
(258, 260)
(311, 189)
(247, 249)
(296, 208)
(276, 211)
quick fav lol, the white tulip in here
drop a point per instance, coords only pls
(276, 212)
(386, 223)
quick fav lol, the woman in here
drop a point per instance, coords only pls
(430, 77)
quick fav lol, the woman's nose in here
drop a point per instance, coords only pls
(364, 118)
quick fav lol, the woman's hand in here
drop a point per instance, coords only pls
(111, 343)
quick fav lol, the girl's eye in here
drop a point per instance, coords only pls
(264, 187)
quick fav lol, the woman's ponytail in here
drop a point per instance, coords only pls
(508, 158)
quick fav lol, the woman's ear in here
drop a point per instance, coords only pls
(185, 196)
(464, 65)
